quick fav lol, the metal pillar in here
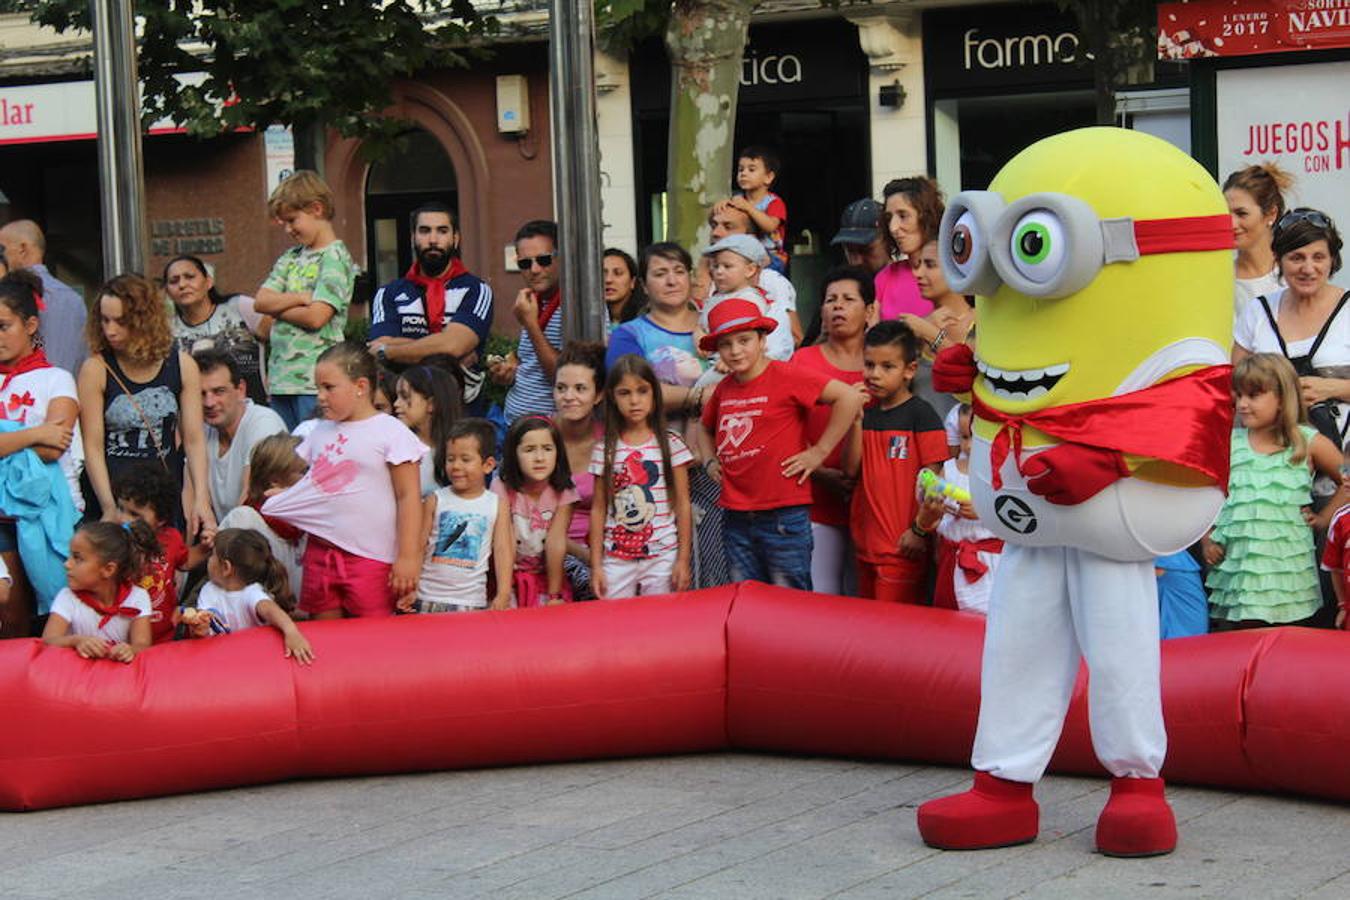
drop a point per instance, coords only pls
(121, 173)
(576, 166)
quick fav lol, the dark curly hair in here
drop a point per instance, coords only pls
(922, 193)
(149, 484)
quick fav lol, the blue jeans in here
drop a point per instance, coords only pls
(294, 408)
(770, 545)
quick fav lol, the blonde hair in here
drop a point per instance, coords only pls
(299, 191)
(272, 462)
(1262, 372)
(145, 316)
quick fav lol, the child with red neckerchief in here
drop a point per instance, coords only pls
(101, 613)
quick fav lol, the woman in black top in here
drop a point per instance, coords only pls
(140, 399)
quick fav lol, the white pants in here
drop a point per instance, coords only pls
(830, 558)
(638, 577)
(1050, 605)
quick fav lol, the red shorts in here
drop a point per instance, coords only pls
(897, 580)
(336, 579)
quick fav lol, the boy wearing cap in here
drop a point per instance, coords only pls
(736, 262)
(756, 421)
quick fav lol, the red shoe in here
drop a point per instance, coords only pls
(993, 813)
(1136, 820)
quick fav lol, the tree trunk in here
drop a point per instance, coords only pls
(706, 40)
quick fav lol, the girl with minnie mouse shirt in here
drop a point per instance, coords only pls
(641, 527)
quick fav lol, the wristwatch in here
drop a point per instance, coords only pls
(381, 352)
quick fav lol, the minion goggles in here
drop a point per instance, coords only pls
(1052, 245)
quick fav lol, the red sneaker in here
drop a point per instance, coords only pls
(993, 813)
(1136, 820)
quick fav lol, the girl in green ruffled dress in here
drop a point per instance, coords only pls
(1260, 551)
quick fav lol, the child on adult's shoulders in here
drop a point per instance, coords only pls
(754, 436)
(756, 170)
(898, 435)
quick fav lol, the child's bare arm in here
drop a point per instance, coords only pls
(297, 647)
(273, 303)
(681, 576)
(555, 547)
(847, 404)
(599, 509)
(56, 633)
(503, 554)
(407, 494)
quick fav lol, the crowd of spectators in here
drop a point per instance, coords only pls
(258, 462)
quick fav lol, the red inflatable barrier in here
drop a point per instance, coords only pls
(745, 667)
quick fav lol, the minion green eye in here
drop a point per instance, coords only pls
(1038, 245)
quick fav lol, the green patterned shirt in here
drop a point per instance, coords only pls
(327, 275)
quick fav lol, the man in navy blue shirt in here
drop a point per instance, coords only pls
(437, 309)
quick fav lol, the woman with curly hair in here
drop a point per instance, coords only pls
(910, 219)
(140, 399)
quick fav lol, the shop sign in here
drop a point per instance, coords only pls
(1243, 27)
(1299, 118)
(60, 111)
(819, 61)
(199, 237)
(1002, 47)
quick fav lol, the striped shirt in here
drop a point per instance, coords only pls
(640, 521)
(533, 388)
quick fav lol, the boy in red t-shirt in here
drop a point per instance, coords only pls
(899, 435)
(1336, 560)
(146, 492)
(756, 420)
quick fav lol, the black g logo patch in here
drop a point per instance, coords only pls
(1015, 514)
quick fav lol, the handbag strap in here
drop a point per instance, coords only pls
(145, 420)
(1321, 335)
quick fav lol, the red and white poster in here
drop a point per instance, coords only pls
(1244, 27)
(1297, 117)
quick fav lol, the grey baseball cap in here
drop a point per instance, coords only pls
(749, 247)
(859, 224)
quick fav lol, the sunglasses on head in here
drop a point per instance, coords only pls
(1311, 216)
(543, 260)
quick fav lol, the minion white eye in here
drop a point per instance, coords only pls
(963, 247)
(1038, 245)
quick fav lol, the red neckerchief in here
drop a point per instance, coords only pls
(113, 609)
(968, 557)
(35, 360)
(1186, 420)
(548, 306)
(284, 530)
(433, 289)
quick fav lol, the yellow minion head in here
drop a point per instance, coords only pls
(1102, 260)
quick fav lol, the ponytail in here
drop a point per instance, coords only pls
(131, 545)
(251, 556)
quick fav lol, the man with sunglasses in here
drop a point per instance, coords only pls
(437, 309)
(538, 309)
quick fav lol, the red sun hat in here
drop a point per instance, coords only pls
(731, 316)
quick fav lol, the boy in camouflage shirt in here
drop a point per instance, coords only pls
(308, 292)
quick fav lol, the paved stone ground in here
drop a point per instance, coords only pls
(717, 826)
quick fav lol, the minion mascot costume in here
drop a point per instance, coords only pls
(1103, 265)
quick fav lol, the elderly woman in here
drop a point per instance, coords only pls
(140, 399)
(1307, 321)
(664, 336)
(845, 304)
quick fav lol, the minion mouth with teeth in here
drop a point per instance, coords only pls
(1104, 279)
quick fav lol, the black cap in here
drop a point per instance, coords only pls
(859, 223)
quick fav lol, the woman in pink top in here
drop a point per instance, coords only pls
(577, 385)
(845, 306)
(911, 215)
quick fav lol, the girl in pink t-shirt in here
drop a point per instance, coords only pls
(360, 500)
(641, 528)
(536, 481)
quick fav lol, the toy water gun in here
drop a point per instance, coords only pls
(935, 486)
